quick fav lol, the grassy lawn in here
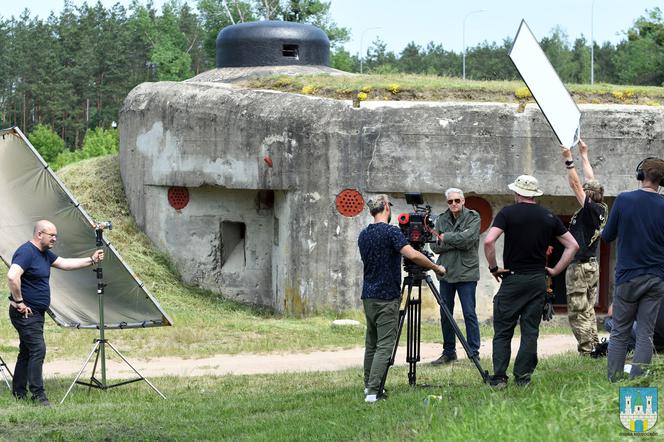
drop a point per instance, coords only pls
(433, 88)
(569, 399)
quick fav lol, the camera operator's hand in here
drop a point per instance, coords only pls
(440, 270)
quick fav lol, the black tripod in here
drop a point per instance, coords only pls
(6, 374)
(412, 313)
(99, 346)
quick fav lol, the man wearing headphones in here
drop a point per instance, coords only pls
(582, 276)
(637, 221)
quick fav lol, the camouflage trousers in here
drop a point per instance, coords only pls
(582, 281)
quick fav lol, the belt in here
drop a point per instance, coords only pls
(585, 260)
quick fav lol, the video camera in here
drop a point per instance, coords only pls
(417, 226)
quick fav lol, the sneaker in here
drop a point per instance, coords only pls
(382, 395)
(370, 398)
(445, 359)
(498, 382)
(41, 400)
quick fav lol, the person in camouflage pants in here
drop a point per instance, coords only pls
(582, 277)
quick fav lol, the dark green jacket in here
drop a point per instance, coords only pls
(458, 250)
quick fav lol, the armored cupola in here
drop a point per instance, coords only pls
(272, 43)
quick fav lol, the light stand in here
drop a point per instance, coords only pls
(4, 369)
(99, 346)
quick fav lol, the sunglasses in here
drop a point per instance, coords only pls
(454, 201)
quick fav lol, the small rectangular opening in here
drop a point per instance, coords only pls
(232, 245)
(290, 51)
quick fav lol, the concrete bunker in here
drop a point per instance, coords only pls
(277, 181)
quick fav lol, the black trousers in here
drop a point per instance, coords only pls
(520, 299)
(31, 353)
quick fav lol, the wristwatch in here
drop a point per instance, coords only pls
(493, 269)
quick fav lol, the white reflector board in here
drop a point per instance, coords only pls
(30, 191)
(552, 97)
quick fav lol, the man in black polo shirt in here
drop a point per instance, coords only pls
(529, 229)
(582, 276)
(381, 247)
(28, 279)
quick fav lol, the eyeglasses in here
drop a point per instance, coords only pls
(454, 201)
(52, 235)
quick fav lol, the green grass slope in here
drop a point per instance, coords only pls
(205, 323)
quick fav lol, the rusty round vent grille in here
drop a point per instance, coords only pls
(178, 197)
(350, 202)
(483, 208)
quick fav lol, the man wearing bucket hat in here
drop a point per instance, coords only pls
(529, 229)
(582, 276)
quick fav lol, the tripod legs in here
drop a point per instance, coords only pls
(413, 335)
(103, 385)
(6, 374)
(412, 314)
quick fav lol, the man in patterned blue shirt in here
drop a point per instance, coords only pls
(381, 247)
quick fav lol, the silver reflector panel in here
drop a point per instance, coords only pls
(30, 191)
(552, 97)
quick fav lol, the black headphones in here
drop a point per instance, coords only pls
(640, 175)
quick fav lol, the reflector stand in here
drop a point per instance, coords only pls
(6, 374)
(102, 384)
(99, 346)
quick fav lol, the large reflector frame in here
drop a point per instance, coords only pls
(553, 99)
(30, 191)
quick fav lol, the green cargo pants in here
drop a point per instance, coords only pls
(582, 281)
(382, 320)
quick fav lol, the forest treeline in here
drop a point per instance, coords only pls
(70, 72)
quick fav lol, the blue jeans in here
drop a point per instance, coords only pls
(466, 291)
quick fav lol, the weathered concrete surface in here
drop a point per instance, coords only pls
(229, 75)
(299, 254)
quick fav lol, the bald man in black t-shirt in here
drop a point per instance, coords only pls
(529, 229)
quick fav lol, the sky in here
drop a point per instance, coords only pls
(441, 21)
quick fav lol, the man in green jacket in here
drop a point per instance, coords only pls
(457, 246)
